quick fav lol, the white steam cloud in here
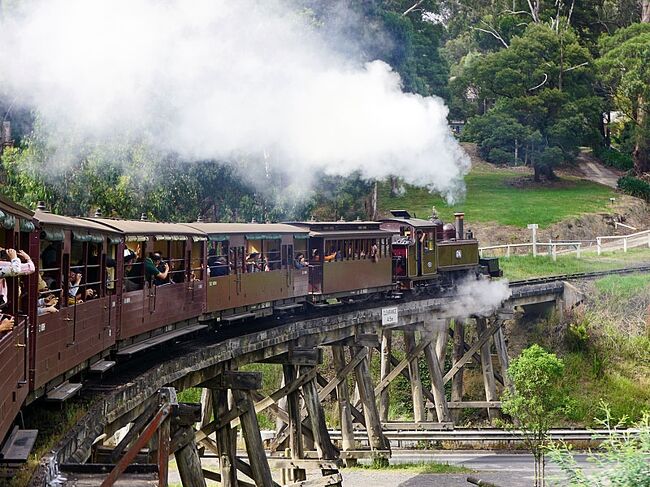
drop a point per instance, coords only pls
(218, 79)
(480, 297)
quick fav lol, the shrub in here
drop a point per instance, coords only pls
(635, 187)
(613, 158)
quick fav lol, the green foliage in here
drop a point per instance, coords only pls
(613, 158)
(536, 400)
(577, 336)
(622, 288)
(622, 459)
(415, 467)
(635, 187)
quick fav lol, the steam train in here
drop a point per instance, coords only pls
(107, 306)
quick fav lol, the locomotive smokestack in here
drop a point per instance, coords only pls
(459, 225)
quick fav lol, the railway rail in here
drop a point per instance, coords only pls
(578, 275)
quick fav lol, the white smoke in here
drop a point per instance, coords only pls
(480, 297)
(218, 79)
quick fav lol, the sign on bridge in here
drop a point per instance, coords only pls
(389, 316)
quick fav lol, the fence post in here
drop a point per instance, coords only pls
(508, 251)
(598, 245)
(648, 239)
(578, 250)
(554, 250)
(625, 244)
(480, 253)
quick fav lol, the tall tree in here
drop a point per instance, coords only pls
(625, 72)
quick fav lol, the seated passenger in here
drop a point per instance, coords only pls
(212, 262)
(374, 253)
(315, 255)
(331, 256)
(299, 262)
(152, 273)
(48, 303)
(75, 294)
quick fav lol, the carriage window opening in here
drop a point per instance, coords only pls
(111, 269)
(50, 285)
(219, 260)
(176, 261)
(272, 256)
(196, 261)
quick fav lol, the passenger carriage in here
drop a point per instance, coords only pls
(347, 259)
(85, 327)
(253, 270)
(144, 308)
(16, 231)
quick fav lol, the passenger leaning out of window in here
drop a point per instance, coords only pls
(11, 266)
(75, 294)
(152, 270)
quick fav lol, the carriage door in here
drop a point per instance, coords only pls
(287, 261)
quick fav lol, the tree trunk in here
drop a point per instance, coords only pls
(645, 11)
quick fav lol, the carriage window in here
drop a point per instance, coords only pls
(111, 274)
(272, 254)
(219, 259)
(133, 267)
(176, 261)
(50, 286)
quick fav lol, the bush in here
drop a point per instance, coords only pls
(635, 187)
(613, 158)
(499, 156)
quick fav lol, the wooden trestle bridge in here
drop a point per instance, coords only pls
(158, 426)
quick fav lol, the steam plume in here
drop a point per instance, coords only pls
(218, 79)
(479, 297)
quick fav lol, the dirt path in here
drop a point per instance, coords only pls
(592, 169)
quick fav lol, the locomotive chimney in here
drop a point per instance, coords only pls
(143, 217)
(459, 225)
(41, 206)
(98, 213)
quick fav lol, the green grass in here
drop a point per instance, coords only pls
(525, 266)
(622, 287)
(491, 197)
(416, 467)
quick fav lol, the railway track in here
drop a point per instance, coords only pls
(578, 275)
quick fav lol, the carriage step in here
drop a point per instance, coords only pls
(243, 316)
(18, 446)
(102, 366)
(63, 392)
(286, 307)
(130, 350)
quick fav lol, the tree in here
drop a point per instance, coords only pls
(625, 73)
(540, 97)
(536, 399)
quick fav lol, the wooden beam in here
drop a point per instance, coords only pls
(437, 386)
(343, 394)
(298, 356)
(487, 369)
(324, 446)
(188, 461)
(376, 437)
(401, 366)
(457, 368)
(235, 380)
(477, 358)
(458, 365)
(261, 472)
(502, 355)
(474, 404)
(225, 445)
(384, 398)
(419, 414)
(362, 340)
(293, 409)
(342, 374)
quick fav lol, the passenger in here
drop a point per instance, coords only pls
(75, 294)
(221, 268)
(48, 303)
(253, 262)
(315, 255)
(152, 273)
(331, 256)
(6, 323)
(132, 275)
(374, 252)
(212, 262)
(299, 262)
(11, 266)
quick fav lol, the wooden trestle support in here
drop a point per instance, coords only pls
(302, 443)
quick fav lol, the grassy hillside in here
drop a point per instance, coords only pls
(498, 195)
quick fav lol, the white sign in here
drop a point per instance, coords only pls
(389, 316)
(533, 226)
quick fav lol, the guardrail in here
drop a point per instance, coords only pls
(487, 435)
(552, 247)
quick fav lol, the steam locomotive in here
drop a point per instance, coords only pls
(108, 305)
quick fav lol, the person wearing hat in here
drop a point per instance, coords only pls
(132, 274)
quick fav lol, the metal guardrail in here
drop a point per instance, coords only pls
(487, 435)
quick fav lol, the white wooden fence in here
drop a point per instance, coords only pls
(553, 248)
